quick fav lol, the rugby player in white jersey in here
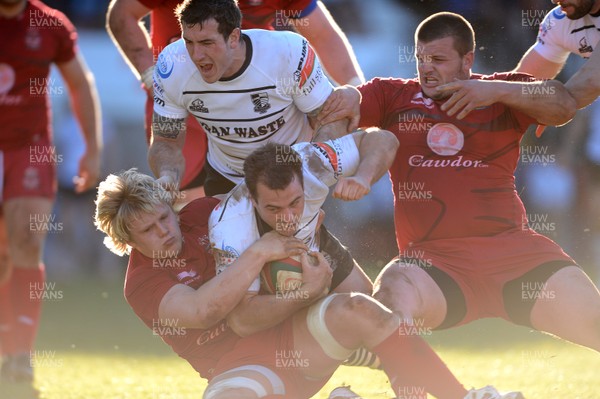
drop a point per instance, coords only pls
(245, 88)
(571, 27)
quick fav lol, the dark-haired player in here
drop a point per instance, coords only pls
(309, 16)
(466, 251)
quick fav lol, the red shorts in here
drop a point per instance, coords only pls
(486, 269)
(29, 171)
(194, 149)
(274, 349)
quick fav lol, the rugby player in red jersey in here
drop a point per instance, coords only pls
(466, 251)
(34, 37)
(171, 285)
(141, 52)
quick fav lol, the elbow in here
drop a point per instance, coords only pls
(239, 327)
(566, 111)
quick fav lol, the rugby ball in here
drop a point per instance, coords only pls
(282, 275)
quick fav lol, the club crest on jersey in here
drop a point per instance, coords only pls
(33, 39)
(261, 102)
(445, 139)
(584, 47)
(198, 106)
(7, 78)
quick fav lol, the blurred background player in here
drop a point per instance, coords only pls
(35, 37)
(309, 17)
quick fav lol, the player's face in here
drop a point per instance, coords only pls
(439, 63)
(214, 56)
(157, 234)
(575, 9)
(280, 209)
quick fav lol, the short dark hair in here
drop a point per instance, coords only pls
(274, 165)
(445, 24)
(225, 12)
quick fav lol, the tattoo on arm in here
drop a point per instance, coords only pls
(166, 127)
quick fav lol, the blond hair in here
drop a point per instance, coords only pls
(122, 198)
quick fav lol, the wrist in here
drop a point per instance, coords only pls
(147, 77)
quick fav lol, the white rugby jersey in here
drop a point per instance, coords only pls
(558, 36)
(266, 100)
(233, 223)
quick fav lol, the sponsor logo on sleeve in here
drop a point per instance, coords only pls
(164, 66)
(331, 155)
(308, 67)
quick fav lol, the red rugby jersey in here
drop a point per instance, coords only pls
(164, 27)
(148, 280)
(451, 178)
(32, 41)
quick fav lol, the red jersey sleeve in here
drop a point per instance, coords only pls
(67, 35)
(373, 103)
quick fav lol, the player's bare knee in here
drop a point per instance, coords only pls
(360, 307)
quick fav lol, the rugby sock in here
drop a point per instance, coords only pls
(7, 342)
(414, 369)
(27, 290)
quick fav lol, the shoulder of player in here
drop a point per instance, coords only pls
(174, 62)
(198, 211)
(271, 42)
(236, 206)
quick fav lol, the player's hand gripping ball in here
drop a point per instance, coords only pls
(283, 275)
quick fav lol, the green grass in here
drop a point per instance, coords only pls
(91, 346)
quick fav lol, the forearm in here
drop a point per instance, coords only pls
(377, 151)
(260, 312)
(584, 86)
(86, 107)
(131, 38)
(549, 102)
(215, 299)
(166, 159)
(332, 47)
(331, 131)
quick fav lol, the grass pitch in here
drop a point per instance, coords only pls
(92, 346)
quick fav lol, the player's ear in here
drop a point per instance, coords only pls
(234, 37)
(467, 61)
